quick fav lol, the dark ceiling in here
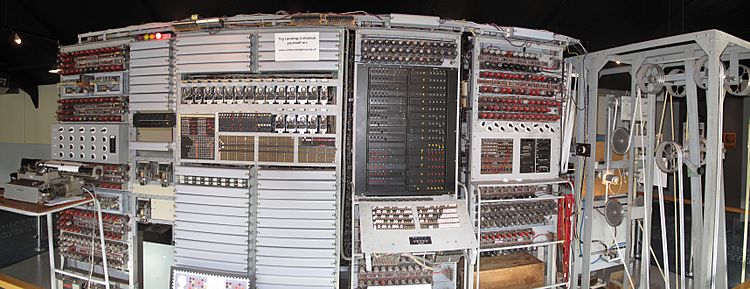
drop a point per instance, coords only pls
(598, 23)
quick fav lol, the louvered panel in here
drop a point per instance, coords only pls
(296, 262)
(197, 245)
(295, 244)
(201, 52)
(151, 74)
(212, 228)
(212, 224)
(210, 264)
(292, 281)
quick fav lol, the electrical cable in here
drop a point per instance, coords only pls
(93, 236)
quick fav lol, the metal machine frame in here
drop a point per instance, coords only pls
(708, 224)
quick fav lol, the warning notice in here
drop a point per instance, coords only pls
(302, 46)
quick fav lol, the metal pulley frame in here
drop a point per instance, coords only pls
(650, 78)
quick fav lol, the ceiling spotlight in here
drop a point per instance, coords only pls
(54, 71)
(617, 62)
(16, 39)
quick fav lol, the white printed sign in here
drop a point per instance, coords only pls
(300, 46)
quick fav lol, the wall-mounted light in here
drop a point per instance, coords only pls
(617, 62)
(54, 71)
(16, 39)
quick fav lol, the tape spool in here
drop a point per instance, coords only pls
(613, 212)
(619, 141)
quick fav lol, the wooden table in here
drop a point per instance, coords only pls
(38, 210)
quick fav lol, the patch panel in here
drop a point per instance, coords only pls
(317, 150)
(276, 149)
(236, 148)
(86, 142)
(497, 156)
(197, 136)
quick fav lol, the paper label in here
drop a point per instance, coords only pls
(298, 46)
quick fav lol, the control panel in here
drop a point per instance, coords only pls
(87, 142)
(415, 226)
(516, 107)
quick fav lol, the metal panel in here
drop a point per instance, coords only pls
(212, 219)
(150, 88)
(294, 214)
(295, 262)
(149, 53)
(297, 243)
(213, 210)
(298, 185)
(296, 205)
(216, 48)
(292, 271)
(198, 245)
(149, 97)
(215, 67)
(211, 238)
(285, 223)
(296, 233)
(213, 58)
(212, 228)
(155, 79)
(209, 201)
(215, 256)
(148, 62)
(148, 45)
(141, 71)
(291, 252)
(208, 39)
(296, 195)
(213, 191)
(135, 106)
(299, 282)
(297, 175)
(200, 263)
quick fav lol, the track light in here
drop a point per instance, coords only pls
(16, 39)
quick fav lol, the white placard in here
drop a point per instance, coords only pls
(298, 46)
